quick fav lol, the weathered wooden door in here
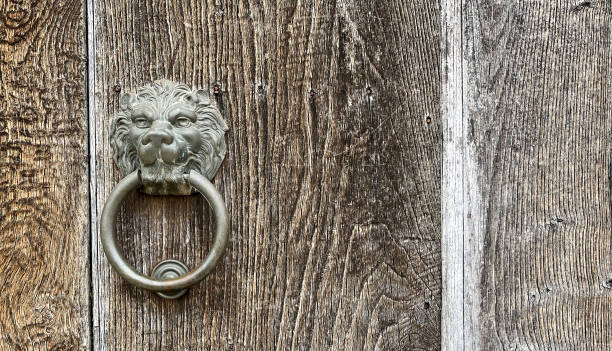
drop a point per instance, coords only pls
(400, 175)
(332, 175)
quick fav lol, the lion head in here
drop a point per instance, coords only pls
(165, 130)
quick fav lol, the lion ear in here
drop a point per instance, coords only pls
(126, 101)
(202, 97)
(199, 97)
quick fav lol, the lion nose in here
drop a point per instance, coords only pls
(157, 137)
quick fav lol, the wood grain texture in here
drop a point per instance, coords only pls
(333, 188)
(460, 192)
(44, 218)
(536, 92)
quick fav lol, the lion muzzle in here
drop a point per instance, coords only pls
(162, 168)
(158, 144)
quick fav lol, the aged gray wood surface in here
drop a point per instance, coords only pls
(457, 180)
(44, 204)
(332, 176)
(535, 124)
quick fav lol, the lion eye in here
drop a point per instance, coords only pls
(182, 122)
(141, 122)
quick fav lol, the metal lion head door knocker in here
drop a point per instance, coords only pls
(167, 139)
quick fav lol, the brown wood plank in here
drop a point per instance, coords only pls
(537, 83)
(332, 175)
(44, 199)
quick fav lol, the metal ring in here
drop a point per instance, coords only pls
(127, 271)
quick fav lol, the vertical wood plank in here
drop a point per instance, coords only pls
(536, 98)
(462, 197)
(452, 202)
(44, 216)
(332, 176)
